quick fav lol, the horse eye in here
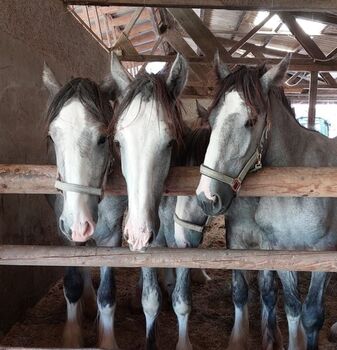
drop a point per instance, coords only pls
(250, 123)
(101, 140)
(117, 144)
(170, 144)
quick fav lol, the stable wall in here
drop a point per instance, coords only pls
(32, 32)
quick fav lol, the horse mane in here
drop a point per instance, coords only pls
(197, 141)
(94, 99)
(154, 85)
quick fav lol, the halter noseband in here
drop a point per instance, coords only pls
(63, 186)
(254, 163)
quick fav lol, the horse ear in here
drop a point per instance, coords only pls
(117, 81)
(275, 75)
(50, 81)
(221, 69)
(178, 76)
(119, 73)
(202, 112)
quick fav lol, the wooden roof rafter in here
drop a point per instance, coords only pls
(307, 43)
(250, 5)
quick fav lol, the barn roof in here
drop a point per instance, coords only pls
(140, 35)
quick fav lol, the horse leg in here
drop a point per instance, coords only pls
(181, 301)
(240, 332)
(313, 308)
(169, 280)
(106, 300)
(89, 295)
(272, 338)
(151, 301)
(293, 307)
(73, 289)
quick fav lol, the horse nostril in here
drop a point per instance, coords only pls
(61, 225)
(217, 203)
(151, 238)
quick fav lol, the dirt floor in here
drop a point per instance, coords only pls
(210, 324)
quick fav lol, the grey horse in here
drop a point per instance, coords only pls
(253, 124)
(77, 120)
(78, 117)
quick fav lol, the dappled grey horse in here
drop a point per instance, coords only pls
(78, 119)
(253, 124)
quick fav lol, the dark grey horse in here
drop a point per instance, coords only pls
(252, 122)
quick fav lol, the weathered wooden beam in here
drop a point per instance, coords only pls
(296, 64)
(279, 182)
(251, 33)
(123, 42)
(307, 43)
(196, 29)
(26, 255)
(276, 5)
(127, 18)
(312, 100)
(175, 39)
(322, 17)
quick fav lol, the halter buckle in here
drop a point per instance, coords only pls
(236, 185)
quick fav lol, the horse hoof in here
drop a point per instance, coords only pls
(72, 336)
(332, 337)
(108, 344)
(237, 346)
(185, 346)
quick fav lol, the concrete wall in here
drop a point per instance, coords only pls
(32, 32)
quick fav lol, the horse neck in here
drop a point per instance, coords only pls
(287, 139)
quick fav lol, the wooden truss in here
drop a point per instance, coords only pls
(173, 29)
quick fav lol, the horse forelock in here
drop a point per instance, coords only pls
(95, 101)
(154, 86)
(246, 81)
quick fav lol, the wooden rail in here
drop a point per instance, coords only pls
(275, 182)
(164, 257)
(275, 5)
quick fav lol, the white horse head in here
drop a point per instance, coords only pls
(78, 118)
(238, 118)
(148, 127)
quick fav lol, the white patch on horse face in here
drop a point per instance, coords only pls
(145, 155)
(80, 160)
(229, 140)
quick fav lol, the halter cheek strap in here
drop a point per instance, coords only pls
(190, 225)
(254, 163)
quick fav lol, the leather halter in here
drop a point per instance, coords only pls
(190, 225)
(63, 186)
(254, 163)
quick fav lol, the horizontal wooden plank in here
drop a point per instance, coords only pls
(296, 64)
(25, 255)
(271, 182)
(276, 5)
